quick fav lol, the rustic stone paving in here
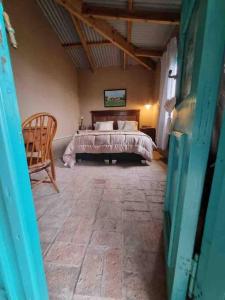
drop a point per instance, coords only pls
(102, 235)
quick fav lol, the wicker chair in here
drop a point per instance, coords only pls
(39, 131)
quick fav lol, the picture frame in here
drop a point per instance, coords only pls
(115, 97)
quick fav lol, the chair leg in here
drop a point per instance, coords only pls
(52, 165)
(52, 179)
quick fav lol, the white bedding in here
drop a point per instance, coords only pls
(109, 142)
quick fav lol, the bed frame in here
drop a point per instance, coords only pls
(115, 115)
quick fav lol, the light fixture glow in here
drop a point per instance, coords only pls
(148, 106)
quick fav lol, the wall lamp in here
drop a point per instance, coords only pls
(148, 106)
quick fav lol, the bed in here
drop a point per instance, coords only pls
(111, 144)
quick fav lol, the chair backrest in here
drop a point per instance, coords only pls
(38, 132)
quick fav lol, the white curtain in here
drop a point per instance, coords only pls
(166, 93)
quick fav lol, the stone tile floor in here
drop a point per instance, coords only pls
(102, 235)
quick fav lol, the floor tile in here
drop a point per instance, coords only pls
(48, 234)
(107, 239)
(110, 210)
(135, 205)
(112, 274)
(52, 221)
(143, 262)
(45, 247)
(89, 282)
(112, 195)
(139, 236)
(85, 208)
(133, 195)
(75, 230)
(135, 215)
(61, 280)
(154, 199)
(108, 224)
(66, 254)
(156, 210)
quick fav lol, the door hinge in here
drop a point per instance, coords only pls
(193, 273)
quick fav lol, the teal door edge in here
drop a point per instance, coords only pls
(21, 266)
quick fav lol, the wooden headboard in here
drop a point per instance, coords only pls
(115, 115)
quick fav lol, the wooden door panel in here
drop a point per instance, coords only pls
(211, 271)
(194, 118)
(209, 281)
(179, 151)
(21, 267)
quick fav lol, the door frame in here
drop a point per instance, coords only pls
(21, 265)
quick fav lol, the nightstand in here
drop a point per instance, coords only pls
(149, 131)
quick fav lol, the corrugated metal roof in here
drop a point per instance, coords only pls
(106, 56)
(60, 20)
(91, 34)
(78, 57)
(62, 24)
(154, 35)
(143, 34)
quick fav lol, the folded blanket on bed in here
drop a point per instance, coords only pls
(109, 142)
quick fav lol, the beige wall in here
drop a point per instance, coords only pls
(140, 85)
(46, 79)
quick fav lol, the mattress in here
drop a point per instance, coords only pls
(115, 141)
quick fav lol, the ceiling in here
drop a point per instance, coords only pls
(99, 52)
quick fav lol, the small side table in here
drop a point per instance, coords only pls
(149, 131)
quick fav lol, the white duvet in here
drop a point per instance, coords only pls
(115, 141)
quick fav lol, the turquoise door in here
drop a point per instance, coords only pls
(199, 67)
(21, 267)
(210, 277)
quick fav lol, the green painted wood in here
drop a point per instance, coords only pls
(21, 267)
(174, 209)
(211, 270)
(202, 43)
(169, 191)
(3, 295)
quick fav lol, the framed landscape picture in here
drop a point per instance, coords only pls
(115, 98)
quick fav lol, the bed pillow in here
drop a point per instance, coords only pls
(104, 126)
(120, 124)
(130, 126)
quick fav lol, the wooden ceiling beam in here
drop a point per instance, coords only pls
(148, 52)
(162, 17)
(90, 44)
(107, 31)
(76, 23)
(140, 52)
